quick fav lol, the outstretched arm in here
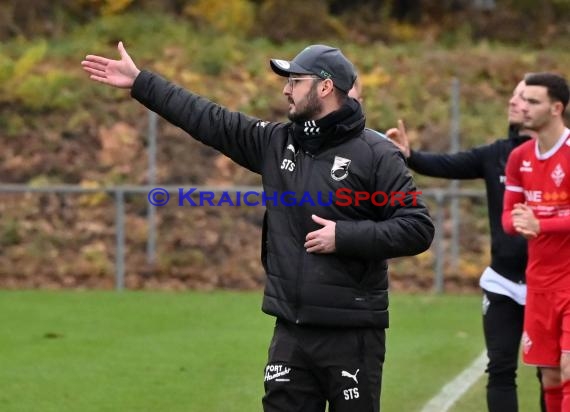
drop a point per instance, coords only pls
(117, 73)
(461, 165)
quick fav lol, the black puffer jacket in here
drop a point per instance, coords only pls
(508, 253)
(343, 289)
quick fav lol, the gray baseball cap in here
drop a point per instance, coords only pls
(323, 61)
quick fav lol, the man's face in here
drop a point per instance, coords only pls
(537, 108)
(304, 102)
(516, 105)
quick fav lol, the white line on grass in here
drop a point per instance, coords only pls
(456, 388)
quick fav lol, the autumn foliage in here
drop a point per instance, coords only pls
(57, 127)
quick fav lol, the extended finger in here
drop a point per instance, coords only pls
(97, 59)
(401, 126)
(100, 79)
(98, 76)
(93, 65)
(94, 70)
(122, 50)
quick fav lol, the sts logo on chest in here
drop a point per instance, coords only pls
(288, 164)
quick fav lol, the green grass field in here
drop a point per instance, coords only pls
(157, 351)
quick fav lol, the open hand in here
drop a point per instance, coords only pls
(117, 73)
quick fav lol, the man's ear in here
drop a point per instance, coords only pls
(327, 87)
(557, 109)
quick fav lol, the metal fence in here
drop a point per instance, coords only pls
(442, 198)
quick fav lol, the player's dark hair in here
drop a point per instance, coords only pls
(556, 86)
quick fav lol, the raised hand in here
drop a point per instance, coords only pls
(117, 73)
(400, 138)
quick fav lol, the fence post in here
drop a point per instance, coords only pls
(454, 185)
(438, 241)
(151, 210)
(120, 233)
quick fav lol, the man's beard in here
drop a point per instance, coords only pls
(312, 107)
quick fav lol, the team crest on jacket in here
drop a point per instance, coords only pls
(339, 171)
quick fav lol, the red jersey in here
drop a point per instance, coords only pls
(542, 181)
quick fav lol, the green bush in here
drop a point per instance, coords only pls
(49, 91)
(26, 82)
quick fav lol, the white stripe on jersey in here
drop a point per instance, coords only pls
(514, 188)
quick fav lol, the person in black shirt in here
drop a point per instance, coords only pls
(326, 261)
(503, 281)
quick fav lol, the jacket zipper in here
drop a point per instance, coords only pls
(303, 251)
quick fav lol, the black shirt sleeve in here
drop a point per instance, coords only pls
(468, 164)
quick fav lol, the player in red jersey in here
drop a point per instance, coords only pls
(537, 205)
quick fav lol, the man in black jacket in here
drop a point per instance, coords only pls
(503, 282)
(339, 203)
